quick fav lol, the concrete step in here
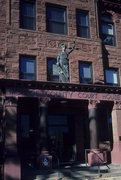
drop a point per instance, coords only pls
(82, 173)
(79, 178)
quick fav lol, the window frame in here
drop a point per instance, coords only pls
(79, 26)
(49, 76)
(23, 74)
(117, 72)
(49, 21)
(108, 23)
(82, 79)
(25, 17)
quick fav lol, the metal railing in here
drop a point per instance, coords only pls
(104, 161)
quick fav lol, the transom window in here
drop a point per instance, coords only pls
(28, 14)
(56, 19)
(107, 30)
(111, 76)
(27, 67)
(52, 70)
(82, 20)
(85, 72)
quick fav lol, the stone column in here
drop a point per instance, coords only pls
(12, 165)
(93, 130)
(43, 124)
(116, 126)
(44, 159)
(92, 108)
(1, 127)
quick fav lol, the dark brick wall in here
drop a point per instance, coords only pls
(15, 41)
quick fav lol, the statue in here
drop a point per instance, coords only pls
(63, 63)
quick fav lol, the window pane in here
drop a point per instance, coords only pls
(111, 77)
(23, 64)
(115, 80)
(28, 16)
(57, 28)
(109, 40)
(107, 29)
(85, 73)
(82, 25)
(27, 68)
(82, 32)
(56, 20)
(30, 66)
(52, 70)
(27, 65)
(56, 14)
(28, 23)
(28, 9)
(27, 76)
(82, 19)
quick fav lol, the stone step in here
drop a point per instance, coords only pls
(77, 172)
(85, 173)
(77, 177)
(96, 178)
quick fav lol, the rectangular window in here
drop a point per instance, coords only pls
(82, 20)
(85, 73)
(111, 76)
(27, 67)
(28, 14)
(52, 70)
(107, 30)
(56, 19)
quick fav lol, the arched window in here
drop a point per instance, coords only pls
(107, 29)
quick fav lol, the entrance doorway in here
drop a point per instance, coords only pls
(61, 137)
(27, 125)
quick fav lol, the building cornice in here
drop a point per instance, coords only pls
(112, 3)
(26, 85)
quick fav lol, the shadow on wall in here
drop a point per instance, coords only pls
(105, 57)
(11, 160)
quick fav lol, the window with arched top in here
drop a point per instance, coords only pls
(107, 30)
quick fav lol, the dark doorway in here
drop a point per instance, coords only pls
(61, 137)
(27, 124)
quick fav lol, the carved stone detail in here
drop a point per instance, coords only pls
(44, 101)
(11, 101)
(93, 104)
(117, 105)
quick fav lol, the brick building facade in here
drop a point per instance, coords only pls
(40, 114)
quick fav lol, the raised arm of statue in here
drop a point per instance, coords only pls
(74, 43)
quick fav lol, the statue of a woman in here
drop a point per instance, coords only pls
(63, 63)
